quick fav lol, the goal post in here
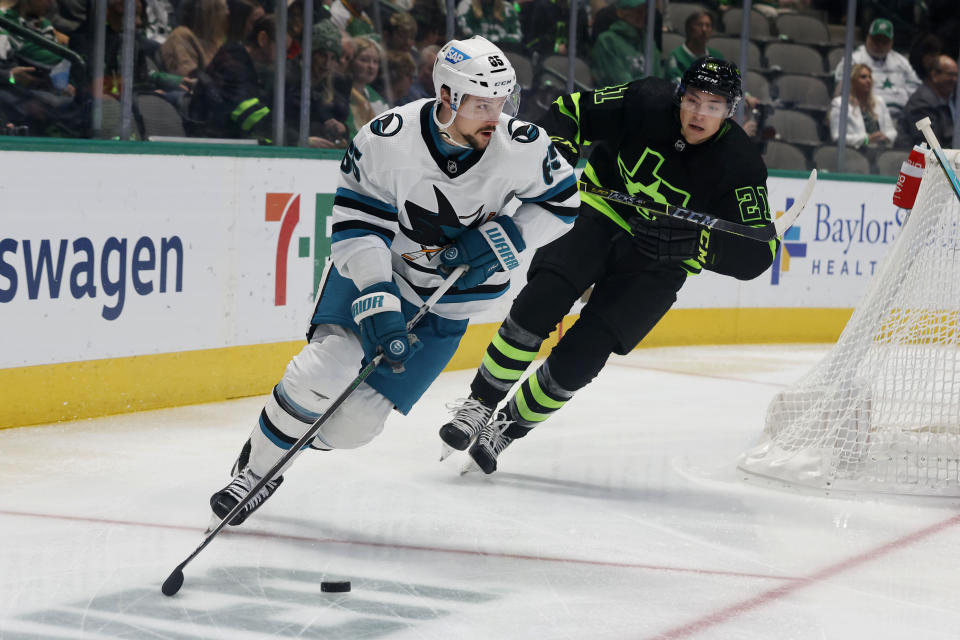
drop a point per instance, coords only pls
(881, 411)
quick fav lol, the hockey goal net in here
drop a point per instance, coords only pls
(881, 412)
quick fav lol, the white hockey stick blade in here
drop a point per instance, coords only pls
(784, 222)
(927, 130)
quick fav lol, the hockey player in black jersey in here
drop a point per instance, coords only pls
(674, 145)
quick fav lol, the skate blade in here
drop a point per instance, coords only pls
(214, 522)
(446, 451)
(470, 467)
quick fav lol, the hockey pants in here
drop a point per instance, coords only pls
(631, 294)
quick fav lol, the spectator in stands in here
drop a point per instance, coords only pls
(619, 54)
(401, 68)
(894, 77)
(944, 20)
(350, 16)
(231, 99)
(158, 20)
(924, 53)
(422, 86)
(347, 47)
(495, 20)
(67, 15)
(242, 15)
(868, 120)
(193, 44)
(544, 24)
(32, 14)
(754, 116)
(365, 103)
(35, 92)
(330, 91)
(699, 29)
(935, 99)
(143, 78)
(400, 33)
(295, 24)
(431, 24)
(605, 14)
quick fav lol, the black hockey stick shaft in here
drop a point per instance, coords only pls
(763, 233)
(175, 580)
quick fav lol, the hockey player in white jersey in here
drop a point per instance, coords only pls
(422, 190)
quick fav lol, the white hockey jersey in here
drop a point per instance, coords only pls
(400, 199)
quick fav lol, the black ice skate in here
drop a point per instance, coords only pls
(470, 416)
(227, 498)
(489, 445)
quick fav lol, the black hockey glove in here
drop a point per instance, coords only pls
(665, 239)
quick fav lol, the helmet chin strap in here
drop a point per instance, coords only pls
(442, 127)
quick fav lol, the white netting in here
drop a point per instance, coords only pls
(881, 412)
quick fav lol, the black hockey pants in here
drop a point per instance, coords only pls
(631, 294)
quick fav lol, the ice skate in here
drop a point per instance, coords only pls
(489, 445)
(227, 498)
(470, 416)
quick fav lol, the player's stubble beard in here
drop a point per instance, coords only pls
(476, 141)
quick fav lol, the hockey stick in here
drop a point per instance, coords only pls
(764, 233)
(175, 580)
(924, 126)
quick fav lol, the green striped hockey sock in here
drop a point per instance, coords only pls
(509, 354)
(538, 397)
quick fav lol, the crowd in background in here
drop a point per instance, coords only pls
(215, 61)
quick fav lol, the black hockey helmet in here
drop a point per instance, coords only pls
(715, 76)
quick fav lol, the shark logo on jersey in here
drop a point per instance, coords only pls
(437, 228)
(522, 131)
(387, 125)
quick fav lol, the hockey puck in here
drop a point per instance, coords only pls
(335, 586)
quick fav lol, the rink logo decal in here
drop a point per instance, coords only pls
(286, 603)
(46, 269)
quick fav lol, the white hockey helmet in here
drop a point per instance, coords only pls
(476, 67)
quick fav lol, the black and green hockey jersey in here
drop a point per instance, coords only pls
(636, 148)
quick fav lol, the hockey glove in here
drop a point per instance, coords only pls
(665, 239)
(491, 247)
(383, 327)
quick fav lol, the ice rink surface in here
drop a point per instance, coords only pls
(622, 517)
